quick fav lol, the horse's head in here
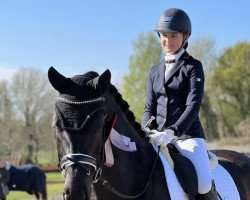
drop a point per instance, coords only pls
(79, 121)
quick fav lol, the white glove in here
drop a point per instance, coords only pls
(161, 138)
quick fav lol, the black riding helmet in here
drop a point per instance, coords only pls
(174, 20)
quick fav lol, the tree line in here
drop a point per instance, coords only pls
(26, 107)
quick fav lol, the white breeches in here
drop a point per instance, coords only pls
(195, 150)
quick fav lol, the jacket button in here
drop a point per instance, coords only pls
(164, 109)
(163, 89)
(166, 99)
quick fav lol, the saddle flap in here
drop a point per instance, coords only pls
(184, 170)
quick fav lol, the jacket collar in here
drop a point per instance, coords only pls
(175, 68)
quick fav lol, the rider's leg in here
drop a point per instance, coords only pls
(195, 150)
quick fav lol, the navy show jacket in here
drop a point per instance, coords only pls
(175, 101)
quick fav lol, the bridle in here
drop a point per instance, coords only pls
(79, 159)
(84, 160)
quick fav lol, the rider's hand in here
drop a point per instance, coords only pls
(161, 138)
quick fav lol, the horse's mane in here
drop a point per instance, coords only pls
(125, 109)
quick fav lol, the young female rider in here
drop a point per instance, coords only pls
(174, 93)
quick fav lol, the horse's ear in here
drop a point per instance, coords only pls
(57, 80)
(102, 82)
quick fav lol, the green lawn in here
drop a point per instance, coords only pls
(53, 189)
(54, 176)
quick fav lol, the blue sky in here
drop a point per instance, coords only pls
(76, 36)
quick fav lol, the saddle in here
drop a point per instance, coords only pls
(184, 169)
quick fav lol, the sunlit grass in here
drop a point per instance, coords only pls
(54, 176)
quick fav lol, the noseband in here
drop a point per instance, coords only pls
(83, 160)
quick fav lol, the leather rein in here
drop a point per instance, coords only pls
(87, 161)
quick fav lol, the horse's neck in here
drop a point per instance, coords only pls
(144, 153)
(123, 125)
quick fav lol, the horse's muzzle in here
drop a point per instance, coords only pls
(75, 196)
(77, 184)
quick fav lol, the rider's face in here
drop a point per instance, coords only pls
(171, 42)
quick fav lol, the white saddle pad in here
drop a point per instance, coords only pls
(224, 183)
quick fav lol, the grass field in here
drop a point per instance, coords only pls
(54, 188)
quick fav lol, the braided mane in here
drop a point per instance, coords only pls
(125, 108)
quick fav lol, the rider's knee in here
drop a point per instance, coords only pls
(205, 186)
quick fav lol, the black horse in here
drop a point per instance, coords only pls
(84, 115)
(28, 178)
